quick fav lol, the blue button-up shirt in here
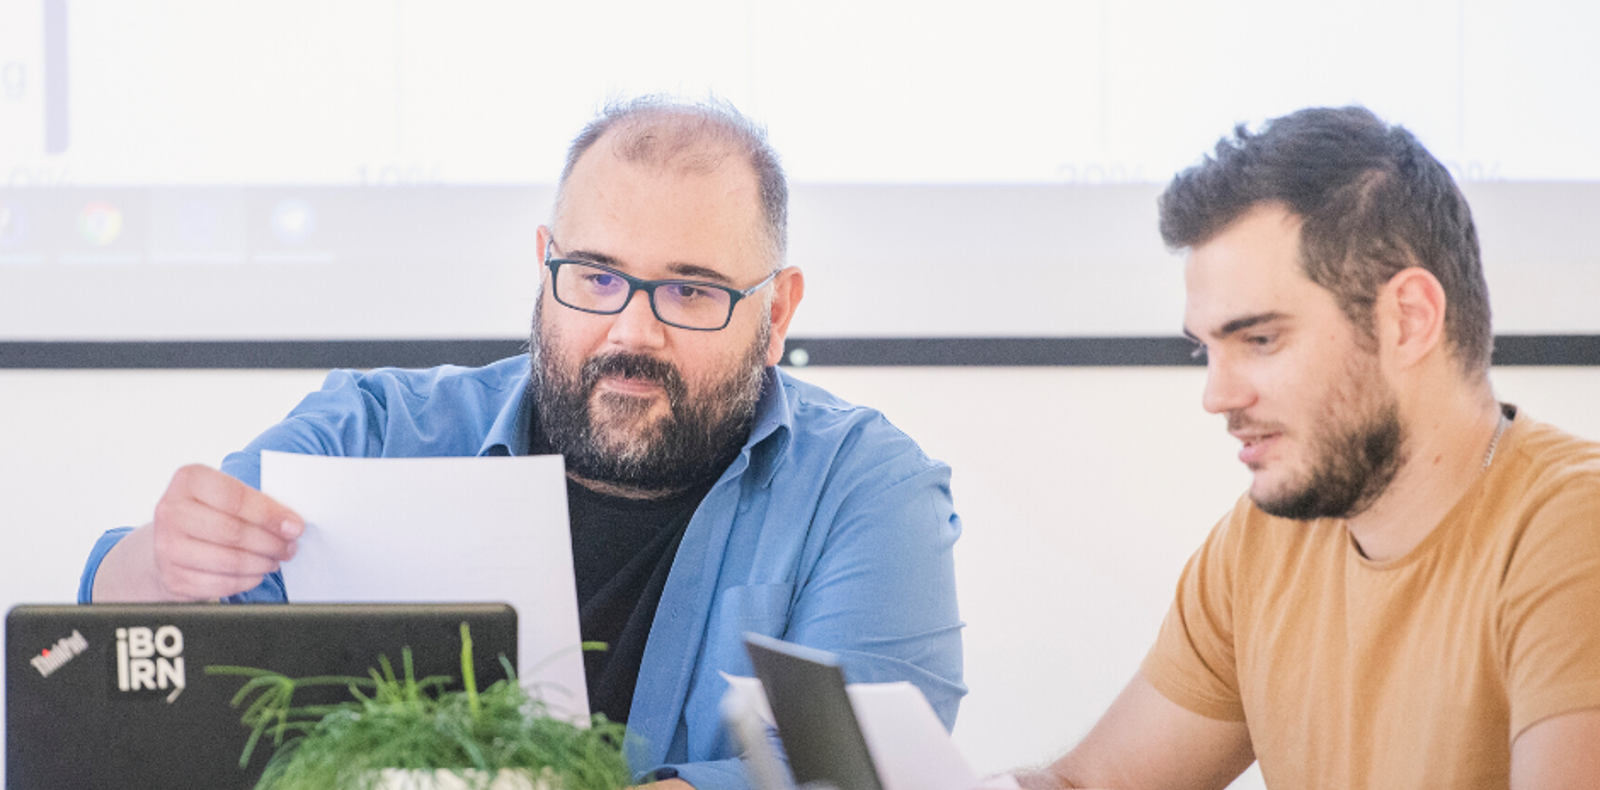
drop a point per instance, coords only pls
(831, 529)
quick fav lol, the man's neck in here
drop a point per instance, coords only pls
(1447, 443)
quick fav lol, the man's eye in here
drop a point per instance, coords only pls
(1260, 341)
(601, 280)
(684, 292)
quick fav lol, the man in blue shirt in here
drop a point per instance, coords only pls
(710, 493)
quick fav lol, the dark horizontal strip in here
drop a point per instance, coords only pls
(1525, 350)
(231, 354)
(1563, 350)
(991, 351)
(1534, 350)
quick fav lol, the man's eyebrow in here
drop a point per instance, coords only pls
(1235, 326)
(679, 269)
(1240, 324)
(594, 257)
(699, 273)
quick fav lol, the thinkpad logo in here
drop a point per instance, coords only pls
(150, 662)
(57, 655)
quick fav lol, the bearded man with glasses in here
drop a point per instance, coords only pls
(710, 494)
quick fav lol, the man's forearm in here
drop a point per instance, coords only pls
(127, 572)
(1049, 777)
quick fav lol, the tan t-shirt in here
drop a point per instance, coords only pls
(1417, 672)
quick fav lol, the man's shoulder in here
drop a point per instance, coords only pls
(813, 409)
(824, 424)
(509, 373)
(1546, 446)
(445, 410)
(1544, 460)
(803, 394)
(435, 386)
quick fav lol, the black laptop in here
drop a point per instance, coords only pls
(117, 696)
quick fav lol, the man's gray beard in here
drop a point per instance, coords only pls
(701, 434)
(1354, 464)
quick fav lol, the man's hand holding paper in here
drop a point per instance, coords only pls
(212, 536)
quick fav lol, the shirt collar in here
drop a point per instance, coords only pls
(774, 427)
(511, 433)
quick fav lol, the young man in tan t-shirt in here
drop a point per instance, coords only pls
(1409, 595)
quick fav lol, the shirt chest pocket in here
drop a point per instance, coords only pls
(761, 608)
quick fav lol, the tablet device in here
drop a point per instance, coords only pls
(806, 691)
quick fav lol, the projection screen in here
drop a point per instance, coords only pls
(301, 172)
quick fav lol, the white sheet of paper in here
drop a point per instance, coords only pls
(909, 745)
(443, 530)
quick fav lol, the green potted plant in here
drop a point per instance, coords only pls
(399, 731)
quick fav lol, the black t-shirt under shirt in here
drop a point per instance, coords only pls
(622, 551)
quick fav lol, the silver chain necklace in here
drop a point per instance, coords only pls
(1495, 442)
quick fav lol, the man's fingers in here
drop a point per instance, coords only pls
(180, 522)
(180, 519)
(214, 536)
(222, 492)
(211, 559)
(192, 567)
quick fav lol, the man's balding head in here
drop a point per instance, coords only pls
(693, 138)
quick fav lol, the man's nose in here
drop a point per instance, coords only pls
(637, 326)
(1226, 388)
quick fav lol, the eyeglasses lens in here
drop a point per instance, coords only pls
(682, 303)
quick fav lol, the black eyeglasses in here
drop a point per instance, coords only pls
(686, 304)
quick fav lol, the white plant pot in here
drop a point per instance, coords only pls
(443, 779)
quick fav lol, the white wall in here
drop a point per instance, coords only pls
(1082, 490)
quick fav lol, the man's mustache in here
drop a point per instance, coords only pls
(1238, 421)
(641, 367)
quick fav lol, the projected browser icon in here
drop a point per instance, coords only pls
(292, 220)
(99, 223)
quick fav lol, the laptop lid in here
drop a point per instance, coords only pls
(806, 691)
(117, 696)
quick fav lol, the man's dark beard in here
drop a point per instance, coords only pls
(694, 443)
(1352, 470)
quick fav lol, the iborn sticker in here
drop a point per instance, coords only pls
(149, 663)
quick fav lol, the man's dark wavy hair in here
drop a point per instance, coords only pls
(1373, 202)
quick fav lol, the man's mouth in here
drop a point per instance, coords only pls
(628, 385)
(1259, 438)
(1256, 447)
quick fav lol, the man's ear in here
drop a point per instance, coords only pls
(542, 238)
(787, 290)
(541, 277)
(1412, 304)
